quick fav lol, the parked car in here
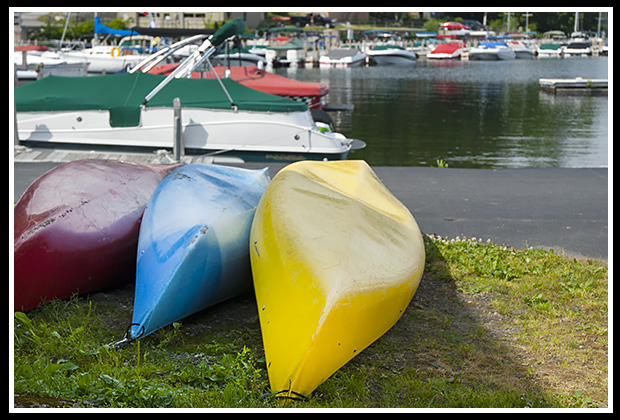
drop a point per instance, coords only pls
(453, 26)
(474, 25)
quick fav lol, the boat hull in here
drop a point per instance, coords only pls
(492, 52)
(336, 259)
(193, 243)
(576, 52)
(341, 58)
(492, 55)
(525, 54)
(392, 56)
(204, 131)
(327, 63)
(76, 229)
(99, 61)
(444, 56)
(547, 50)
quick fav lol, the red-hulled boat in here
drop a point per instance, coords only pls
(76, 228)
(251, 76)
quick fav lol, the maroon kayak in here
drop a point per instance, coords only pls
(76, 228)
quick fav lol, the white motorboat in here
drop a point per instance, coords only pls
(135, 111)
(578, 45)
(492, 51)
(30, 66)
(548, 49)
(552, 44)
(391, 54)
(522, 50)
(290, 53)
(100, 59)
(342, 57)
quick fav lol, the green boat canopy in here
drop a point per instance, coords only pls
(123, 95)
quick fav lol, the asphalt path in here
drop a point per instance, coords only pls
(564, 209)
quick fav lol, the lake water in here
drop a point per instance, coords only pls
(470, 114)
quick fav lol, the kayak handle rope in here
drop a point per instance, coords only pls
(294, 395)
(124, 342)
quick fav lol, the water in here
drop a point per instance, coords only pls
(470, 114)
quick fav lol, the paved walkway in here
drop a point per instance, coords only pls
(553, 208)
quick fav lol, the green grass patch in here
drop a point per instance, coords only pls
(489, 326)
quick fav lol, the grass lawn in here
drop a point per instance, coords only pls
(488, 327)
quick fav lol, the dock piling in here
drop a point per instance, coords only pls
(178, 146)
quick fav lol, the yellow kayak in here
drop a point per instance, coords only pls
(336, 259)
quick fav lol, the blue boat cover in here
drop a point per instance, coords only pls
(492, 44)
(100, 28)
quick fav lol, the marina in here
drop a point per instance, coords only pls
(386, 98)
(410, 115)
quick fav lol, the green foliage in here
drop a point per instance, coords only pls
(53, 29)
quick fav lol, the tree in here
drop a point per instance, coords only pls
(77, 28)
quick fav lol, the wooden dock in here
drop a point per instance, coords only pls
(577, 85)
(159, 157)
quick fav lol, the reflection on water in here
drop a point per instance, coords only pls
(471, 114)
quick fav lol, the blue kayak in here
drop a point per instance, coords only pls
(193, 248)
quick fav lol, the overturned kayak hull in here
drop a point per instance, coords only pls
(76, 228)
(193, 244)
(336, 259)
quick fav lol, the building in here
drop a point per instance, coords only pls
(26, 24)
(189, 20)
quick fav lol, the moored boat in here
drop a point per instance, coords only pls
(547, 50)
(579, 45)
(193, 243)
(312, 93)
(391, 54)
(492, 51)
(522, 50)
(31, 65)
(336, 259)
(552, 44)
(290, 53)
(342, 58)
(76, 229)
(446, 50)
